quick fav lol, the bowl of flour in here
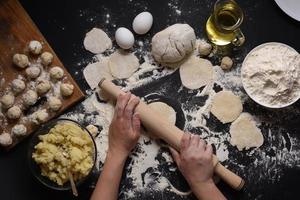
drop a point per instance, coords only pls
(271, 75)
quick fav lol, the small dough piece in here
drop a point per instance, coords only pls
(226, 63)
(7, 101)
(244, 133)
(14, 112)
(21, 60)
(46, 58)
(35, 47)
(40, 116)
(18, 86)
(30, 98)
(66, 89)
(165, 111)
(97, 41)
(33, 72)
(43, 87)
(196, 72)
(56, 73)
(19, 130)
(94, 72)
(92, 129)
(5, 139)
(122, 64)
(204, 48)
(173, 44)
(54, 103)
(226, 106)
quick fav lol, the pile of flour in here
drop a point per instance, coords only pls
(271, 74)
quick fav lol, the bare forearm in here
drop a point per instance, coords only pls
(107, 187)
(208, 191)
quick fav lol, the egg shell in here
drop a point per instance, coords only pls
(124, 38)
(142, 23)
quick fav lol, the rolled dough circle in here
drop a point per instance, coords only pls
(165, 111)
(244, 133)
(122, 64)
(196, 72)
(97, 41)
(226, 106)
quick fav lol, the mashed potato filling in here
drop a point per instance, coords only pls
(65, 149)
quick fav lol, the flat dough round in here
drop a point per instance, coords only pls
(165, 111)
(244, 133)
(97, 41)
(226, 106)
(196, 72)
(94, 72)
(123, 64)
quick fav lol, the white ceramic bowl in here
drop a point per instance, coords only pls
(246, 89)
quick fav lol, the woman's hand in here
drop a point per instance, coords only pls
(195, 160)
(124, 130)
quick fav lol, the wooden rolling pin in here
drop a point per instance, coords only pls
(169, 133)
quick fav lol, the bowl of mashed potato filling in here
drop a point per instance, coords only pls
(60, 148)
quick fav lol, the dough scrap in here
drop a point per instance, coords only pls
(94, 72)
(226, 106)
(122, 64)
(244, 133)
(97, 41)
(164, 110)
(196, 72)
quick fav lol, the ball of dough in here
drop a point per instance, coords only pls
(43, 87)
(5, 139)
(54, 103)
(21, 60)
(46, 58)
(33, 72)
(173, 43)
(204, 48)
(30, 98)
(226, 106)
(14, 112)
(19, 130)
(35, 47)
(40, 116)
(92, 129)
(56, 73)
(18, 86)
(226, 63)
(7, 101)
(66, 89)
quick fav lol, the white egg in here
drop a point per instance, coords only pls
(142, 23)
(124, 38)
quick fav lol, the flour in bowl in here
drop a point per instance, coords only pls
(271, 74)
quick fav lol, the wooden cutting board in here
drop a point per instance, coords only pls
(16, 31)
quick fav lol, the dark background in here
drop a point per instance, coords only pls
(64, 24)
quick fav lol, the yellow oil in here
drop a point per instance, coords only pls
(222, 25)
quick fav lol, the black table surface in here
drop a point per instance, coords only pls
(64, 24)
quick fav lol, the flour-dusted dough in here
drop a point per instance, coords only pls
(244, 133)
(123, 64)
(30, 98)
(97, 41)
(5, 139)
(54, 103)
(18, 85)
(173, 44)
(56, 73)
(46, 58)
(43, 87)
(226, 106)
(35, 47)
(94, 72)
(19, 130)
(33, 72)
(196, 72)
(20, 60)
(14, 112)
(165, 111)
(66, 89)
(7, 101)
